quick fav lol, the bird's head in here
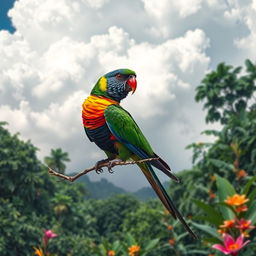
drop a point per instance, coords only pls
(116, 84)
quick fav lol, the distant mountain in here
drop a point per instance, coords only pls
(103, 189)
(100, 189)
(145, 193)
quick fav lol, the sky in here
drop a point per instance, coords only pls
(5, 22)
(53, 52)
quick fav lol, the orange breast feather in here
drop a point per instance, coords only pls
(93, 111)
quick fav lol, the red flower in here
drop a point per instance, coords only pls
(242, 208)
(244, 224)
(231, 246)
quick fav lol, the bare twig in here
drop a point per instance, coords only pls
(73, 178)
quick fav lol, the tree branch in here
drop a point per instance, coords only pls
(73, 178)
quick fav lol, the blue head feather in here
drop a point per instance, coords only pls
(116, 87)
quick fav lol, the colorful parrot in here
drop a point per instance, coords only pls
(114, 131)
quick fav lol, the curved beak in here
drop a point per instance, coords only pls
(132, 82)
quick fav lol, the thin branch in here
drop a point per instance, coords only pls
(73, 178)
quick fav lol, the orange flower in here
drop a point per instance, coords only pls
(111, 253)
(236, 200)
(221, 231)
(172, 241)
(228, 224)
(170, 227)
(242, 208)
(241, 174)
(133, 250)
(38, 251)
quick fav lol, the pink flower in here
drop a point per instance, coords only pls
(48, 234)
(231, 246)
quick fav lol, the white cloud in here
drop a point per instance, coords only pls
(247, 15)
(158, 68)
(49, 65)
(16, 117)
(161, 8)
(96, 3)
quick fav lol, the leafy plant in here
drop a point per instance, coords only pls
(233, 214)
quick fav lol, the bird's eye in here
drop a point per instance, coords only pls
(118, 76)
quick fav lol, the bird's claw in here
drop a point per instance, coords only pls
(98, 165)
(110, 165)
(99, 170)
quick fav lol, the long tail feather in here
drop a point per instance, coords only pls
(159, 193)
(164, 167)
(163, 196)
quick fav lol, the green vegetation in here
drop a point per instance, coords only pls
(56, 160)
(217, 194)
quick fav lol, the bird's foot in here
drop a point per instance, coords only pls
(98, 169)
(110, 165)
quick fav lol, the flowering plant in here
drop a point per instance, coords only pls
(231, 246)
(233, 217)
(130, 247)
(48, 234)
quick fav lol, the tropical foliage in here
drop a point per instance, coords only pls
(56, 160)
(40, 215)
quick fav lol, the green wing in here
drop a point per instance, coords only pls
(125, 129)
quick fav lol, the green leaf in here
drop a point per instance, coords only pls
(249, 65)
(116, 245)
(197, 252)
(213, 216)
(231, 208)
(131, 240)
(102, 249)
(240, 105)
(212, 240)
(251, 197)
(248, 185)
(211, 132)
(180, 237)
(225, 189)
(209, 230)
(251, 213)
(151, 244)
(221, 164)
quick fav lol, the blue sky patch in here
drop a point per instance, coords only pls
(5, 21)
